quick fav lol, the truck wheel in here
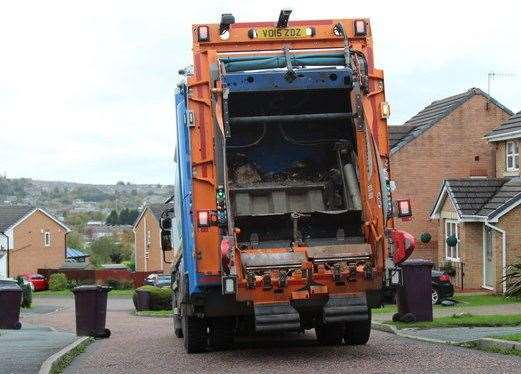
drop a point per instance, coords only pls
(178, 329)
(194, 334)
(178, 323)
(222, 331)
(358, 332)
(330, 334)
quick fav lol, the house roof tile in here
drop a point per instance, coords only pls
(511, 127)
(10, 214)
(430, 115)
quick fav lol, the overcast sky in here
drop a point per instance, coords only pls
(86, 88)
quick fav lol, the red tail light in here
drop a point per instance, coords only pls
(444, 278)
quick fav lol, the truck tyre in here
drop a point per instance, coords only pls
(178, 329)
(178, 323)
(330, 334)
(358, 332)
(222, 331)
(194, 334)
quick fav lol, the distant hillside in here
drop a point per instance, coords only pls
(62, 197)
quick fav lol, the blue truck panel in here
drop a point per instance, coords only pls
(184, 166)
(274, 80)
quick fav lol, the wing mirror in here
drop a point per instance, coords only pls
(166, 234)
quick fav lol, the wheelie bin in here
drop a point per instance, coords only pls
(10, 302)
(414, 296)
(91, 310)
(141, 300)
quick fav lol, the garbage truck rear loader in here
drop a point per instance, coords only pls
(283, 213)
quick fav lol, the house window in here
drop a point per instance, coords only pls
(47, 239)
(512, 156)
(451, 228)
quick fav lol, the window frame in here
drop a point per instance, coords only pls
(47, 239)
(514, 156)
(452, 253)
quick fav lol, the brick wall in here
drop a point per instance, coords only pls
(148, 239)
(450, 149)
(511, 223)
(29, 252)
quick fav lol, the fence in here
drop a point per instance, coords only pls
(101, 276)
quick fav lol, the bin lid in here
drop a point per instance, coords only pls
(8, 286)
(93, 287)
(417, 262)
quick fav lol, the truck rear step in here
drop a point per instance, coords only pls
(276, 317)
(346, 308)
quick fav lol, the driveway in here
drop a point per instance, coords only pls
(145, 344)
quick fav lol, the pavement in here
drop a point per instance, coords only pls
(147, 344)
(461, 334)
(24, 350)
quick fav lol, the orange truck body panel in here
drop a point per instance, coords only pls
(205, 103)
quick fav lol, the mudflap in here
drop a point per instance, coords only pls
(276, 317)
(346, 308)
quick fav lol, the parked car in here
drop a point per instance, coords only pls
(163, 281)
(150, 279)
(442, 288)
(38, 282)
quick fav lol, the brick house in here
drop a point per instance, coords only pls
(147, 234)
(484, 215)
(445, 140)
(31, 239)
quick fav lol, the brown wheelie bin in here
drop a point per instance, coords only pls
(91, 310)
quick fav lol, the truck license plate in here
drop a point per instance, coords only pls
(275, 33)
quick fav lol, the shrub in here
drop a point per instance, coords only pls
(57, 282)
(119, 285)
(27, 293)
(131, 264)
(160, 298)
(113, 283)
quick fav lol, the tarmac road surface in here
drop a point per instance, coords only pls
(147, 345)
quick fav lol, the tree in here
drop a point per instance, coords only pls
(113, 218)
(124, 217)
(108, 249)
(134, 213)
(75, 240)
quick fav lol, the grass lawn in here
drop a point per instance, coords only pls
(388, 308)
(466, 320)
(154, 313)
(463, 301)
(68, 293)
(513, 337)
(479, 300)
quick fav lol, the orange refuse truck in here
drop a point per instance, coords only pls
(283, 217)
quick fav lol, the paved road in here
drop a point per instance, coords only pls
(144, 344)
(24, 351)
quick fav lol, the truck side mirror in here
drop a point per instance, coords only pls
(166, 223)
(166, 240)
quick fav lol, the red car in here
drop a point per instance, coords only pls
(38, 281)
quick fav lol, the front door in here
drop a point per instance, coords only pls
(489, 274)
